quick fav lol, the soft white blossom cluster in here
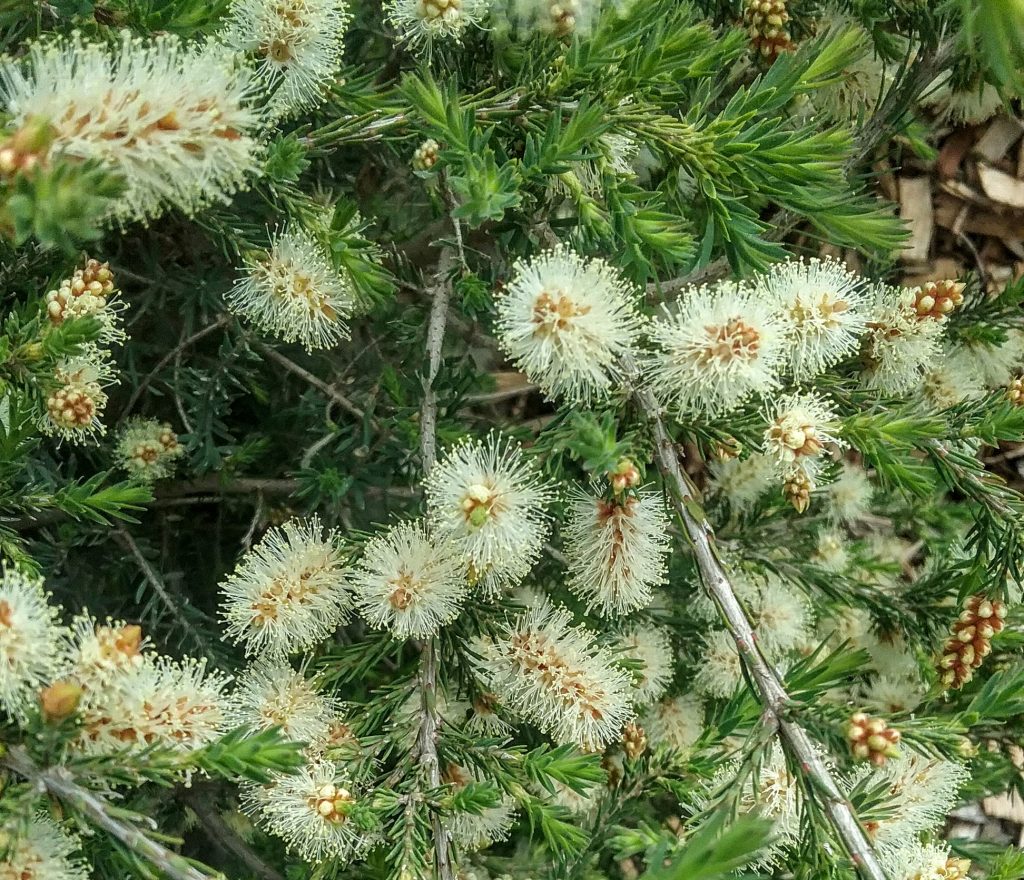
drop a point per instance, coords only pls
(125, 695)
(171, 120)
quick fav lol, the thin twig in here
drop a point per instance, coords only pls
(221, 835)
(159, 587)
(304, 374)
(175, 352)
(770, 689)
(429, 718)
(59, 783)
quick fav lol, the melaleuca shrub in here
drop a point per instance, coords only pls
(497, 439)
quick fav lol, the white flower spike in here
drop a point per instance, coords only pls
(553, 674)
(170, 119)
(408, 583)
(488, 501)
(293, 293)
(566, 321)
(288, 593)
(825, 303)
(723, 345)
(298, 44)
(617, 550)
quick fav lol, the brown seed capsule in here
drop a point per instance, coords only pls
(634, 740)
(970, 640)
(1015, 392)
(797, 490)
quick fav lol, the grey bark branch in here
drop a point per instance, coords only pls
(770, 690)
(59, 783)
(429, 720)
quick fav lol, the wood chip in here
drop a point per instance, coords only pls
(998, 138)
(952, 153)
(916, 210)
(1001, 187)
(1005, 806)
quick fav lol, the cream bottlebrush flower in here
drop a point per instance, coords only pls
(721, 669)
(771, 790)
(917, 861)
(560, 18)
(566, 321)
(675, 723)
(272, 694)
(148, 449)
(998, 364)
(419, 23)
(652, 646)
(616, 549)
(553, 674)
(900, 344)
(743, 481)
(292, 292)
(311, 812)
(409, 584)
(825, 303)
(952, 379)
(831, 553)
(920, 791)
(850, 494)
(969, 105)
(101, 652)
(486, 500)
(159, 702)
(298, 43)
(76, 398)
(288, 593)
(799, 426)
(168, 118)
(723, 345)
(43, 852)
(475, 831)
(782, 614)
(32, 643)
(861, 86)
(889, 694)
